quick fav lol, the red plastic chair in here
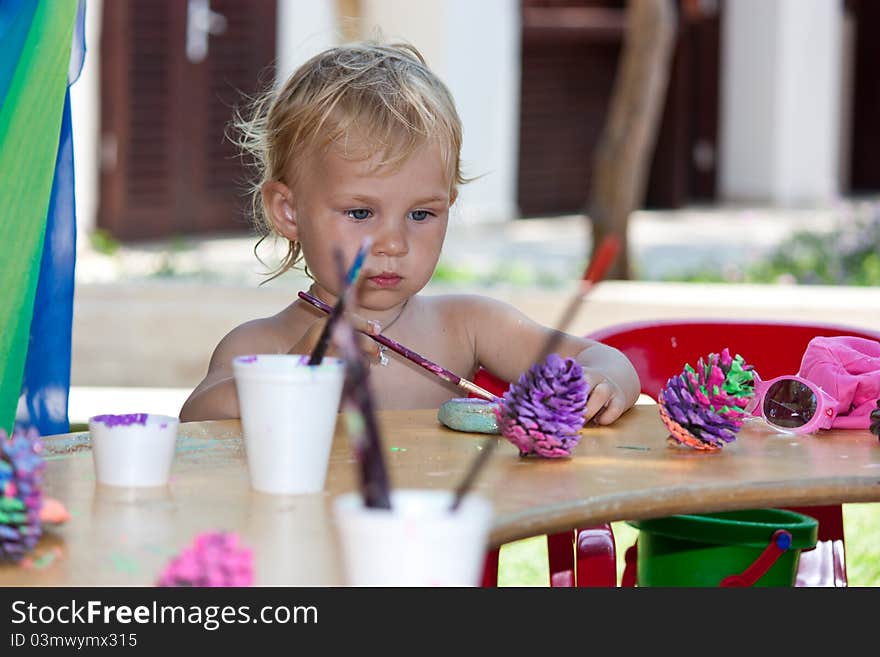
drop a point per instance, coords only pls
(660, 349)
(582, 557)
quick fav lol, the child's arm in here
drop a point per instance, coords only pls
(506, 342)
(216, 398)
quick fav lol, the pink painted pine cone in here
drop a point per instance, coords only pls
(214, 559)
(543, 412)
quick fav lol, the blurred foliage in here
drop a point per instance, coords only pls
(513, 273)
(446, 273)
(516, 273)
(847, 255)
(169, 266)
(103, 242)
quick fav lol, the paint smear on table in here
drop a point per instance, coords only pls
(124, 563)
(43, 561)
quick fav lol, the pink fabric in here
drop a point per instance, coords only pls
(848, 369)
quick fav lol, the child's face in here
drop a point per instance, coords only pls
(340, 201)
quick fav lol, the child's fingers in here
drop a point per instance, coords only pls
(359, 323)
(600, 396)
(612, 410)
(370, 348)
(605, 404)
(364, 328)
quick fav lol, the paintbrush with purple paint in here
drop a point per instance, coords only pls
(409, 354)
(351, 276)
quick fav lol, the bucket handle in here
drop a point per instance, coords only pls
(780, 542)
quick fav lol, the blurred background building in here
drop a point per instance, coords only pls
(769, 101)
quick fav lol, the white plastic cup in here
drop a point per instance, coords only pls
(288, 414)
(418, 542)
(134, 449)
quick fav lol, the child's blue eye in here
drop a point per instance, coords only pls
(359, 213)
(419, 215)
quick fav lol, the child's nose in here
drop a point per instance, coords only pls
(390, 239)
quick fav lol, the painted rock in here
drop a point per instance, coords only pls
(469, 414)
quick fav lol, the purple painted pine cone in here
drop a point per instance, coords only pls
(703, 407)
(21, 496)
(543, 412)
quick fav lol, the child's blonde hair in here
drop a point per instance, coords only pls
(382, 98)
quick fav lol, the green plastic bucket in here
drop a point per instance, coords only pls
(701, 550)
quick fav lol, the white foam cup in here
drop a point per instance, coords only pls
(288, 414)
(418, 542)
(133, 449)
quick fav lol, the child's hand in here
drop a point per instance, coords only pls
(368, 347)
(606, 402)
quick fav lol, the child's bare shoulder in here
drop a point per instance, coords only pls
(264, 335)
(473, 308)
(465, 303)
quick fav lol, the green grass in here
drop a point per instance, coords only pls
(860, 523)
(524, 563)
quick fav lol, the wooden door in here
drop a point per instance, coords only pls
(172, 72)
(684, 166)
(865, 136)
(570, 51)
(569, 59)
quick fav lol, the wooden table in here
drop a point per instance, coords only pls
(625, 471)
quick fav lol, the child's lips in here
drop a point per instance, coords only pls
(386, 279)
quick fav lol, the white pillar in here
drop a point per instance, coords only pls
(85, 118)
(780, 100)
(474, 48)
(304, 28)
(483, 69)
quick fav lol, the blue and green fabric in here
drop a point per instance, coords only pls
(41, 53)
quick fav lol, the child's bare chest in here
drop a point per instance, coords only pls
(404, 384)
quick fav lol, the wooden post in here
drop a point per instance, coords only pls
(350, 17)
(623, 156)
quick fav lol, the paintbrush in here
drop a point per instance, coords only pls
(599, 263)
(359, 413)
(351, 276)
(409, 354)
(602, 258)
(471, 475)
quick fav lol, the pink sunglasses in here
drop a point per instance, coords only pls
(791, 403)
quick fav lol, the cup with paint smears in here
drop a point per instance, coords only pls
(134, 449)
(419, 541)
(288, 414)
